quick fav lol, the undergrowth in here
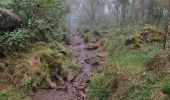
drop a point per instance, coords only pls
(142, 84)
(129, 57)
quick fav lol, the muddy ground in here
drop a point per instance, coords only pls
(76, 89)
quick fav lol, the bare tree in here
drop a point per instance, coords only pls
(117, 6)
(150, 8)
(169, 9)
(124, 4)
(142, 9)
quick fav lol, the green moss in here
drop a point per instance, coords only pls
(32, 70)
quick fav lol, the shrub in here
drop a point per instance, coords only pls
(16, 41)
(166, 89)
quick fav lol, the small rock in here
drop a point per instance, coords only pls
(81, 87)
(51, 84)
(82, 94)
(70, 75)
(2, 65)
(103, 54)
(87, 61)
(92, 47)
(2, 55)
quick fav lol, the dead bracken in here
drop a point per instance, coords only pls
(160, 62)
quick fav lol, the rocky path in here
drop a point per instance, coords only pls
(76, 89)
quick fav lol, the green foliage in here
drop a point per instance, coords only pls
(15, 41)
(142, 90)
(134, 62)
(5, 1)
(49, 24)
(166, 88)
(98, 90)
(137, 92)
(95, 61)
(14, 94)
(40, 21)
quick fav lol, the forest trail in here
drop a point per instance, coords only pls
(76, 89)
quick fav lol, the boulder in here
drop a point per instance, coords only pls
(147, 35)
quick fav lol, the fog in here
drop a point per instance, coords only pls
(114, 12)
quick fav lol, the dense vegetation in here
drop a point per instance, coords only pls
(37, 24)
(31, 30)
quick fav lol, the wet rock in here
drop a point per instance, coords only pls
(2, 55)
(87, 61)
(60, 79)
(51, 84)
(102, 54)
(81, 87)
(95, 61)
(75, 84)
(70, 75)
(82, 94)
(92, 47)
(2, 65)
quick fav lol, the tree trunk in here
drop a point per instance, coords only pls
(117, 15)
(142, 9)
(169, 9)
(167, 39)
(133, 11)
(123, 14)
(150, 8)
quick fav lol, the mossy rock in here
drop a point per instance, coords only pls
(152, 34)
(135, 39)
(95, 61)
(97, 33)
(146, 35)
